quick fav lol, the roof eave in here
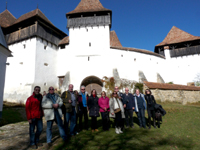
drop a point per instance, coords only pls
(84, 12)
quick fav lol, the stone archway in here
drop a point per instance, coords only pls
(92, 82)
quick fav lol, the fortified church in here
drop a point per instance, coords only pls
(46, 56)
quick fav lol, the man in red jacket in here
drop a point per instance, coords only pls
(34, 116)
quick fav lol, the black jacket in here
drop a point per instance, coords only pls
(129, 101)
(93, 106)
(159, 107)
(150, 101)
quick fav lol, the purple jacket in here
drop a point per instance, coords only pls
(104, 103)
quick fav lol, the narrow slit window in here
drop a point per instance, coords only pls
(46, 64)
(24, 45)
(88, 58)
(45, 47)
(90, 44)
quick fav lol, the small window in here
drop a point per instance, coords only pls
(88, 58)
(24, 45)
(121, 55)
(46, 64)
(21, 63)
(45, 84)
(134, 59)
(90, 44)
(45, 47)
(87, 30)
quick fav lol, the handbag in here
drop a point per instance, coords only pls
(118, 109)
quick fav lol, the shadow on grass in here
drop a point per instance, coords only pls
(12, 115)
(130, 139)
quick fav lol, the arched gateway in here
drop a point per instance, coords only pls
(92, 82)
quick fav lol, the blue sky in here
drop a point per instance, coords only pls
(138, 23)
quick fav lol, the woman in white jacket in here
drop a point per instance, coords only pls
(117, 112)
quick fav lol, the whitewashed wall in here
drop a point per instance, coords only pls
(20, 73)
(181, 70)
(45, 65)
(3, 58)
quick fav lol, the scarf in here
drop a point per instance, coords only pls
(53, 98)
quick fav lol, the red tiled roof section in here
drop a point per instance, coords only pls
(64, 41)
(114, 40)
(6, 18)
(166, 86)
(177, 35)
(33, 13)
(88, 6)
(138, 50)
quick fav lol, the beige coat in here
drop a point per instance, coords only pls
(113, 104)
(48, 109)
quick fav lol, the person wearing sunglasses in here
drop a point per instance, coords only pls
(83, 110)
(34, 116)
(150, 107)
(51, 104)
(117, 112)
(120, 95)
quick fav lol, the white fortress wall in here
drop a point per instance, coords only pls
(130, 63)
(21, 71)
(181, 70)
(46, 65)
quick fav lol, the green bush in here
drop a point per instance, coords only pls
(139, 86)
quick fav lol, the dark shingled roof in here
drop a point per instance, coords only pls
(88, 6)
(138, 50)
(64, 41)
(114, 40)
(33, 13)
(177, 35)
(6, 18)
(166, 86)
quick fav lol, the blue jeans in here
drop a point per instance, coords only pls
(59, 122)
(141, 117)
(34, 137)
(72, 118)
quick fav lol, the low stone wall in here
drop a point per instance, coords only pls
(181, 96)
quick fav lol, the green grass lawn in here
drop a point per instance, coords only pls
(180, 129)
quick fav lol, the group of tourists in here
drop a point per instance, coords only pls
(74, 105)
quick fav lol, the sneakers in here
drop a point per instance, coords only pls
(120, 131)
(117, 130)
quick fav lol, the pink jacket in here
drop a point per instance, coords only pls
(103, 103)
